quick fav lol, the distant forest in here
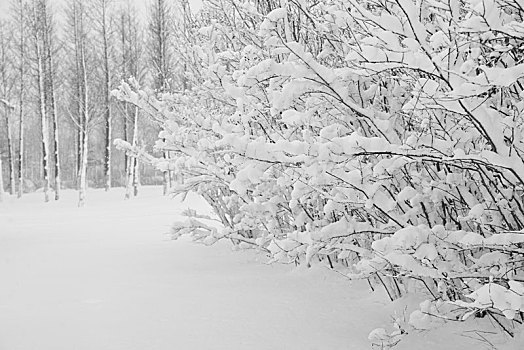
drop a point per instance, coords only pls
(58, 67)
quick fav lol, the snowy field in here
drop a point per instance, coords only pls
(107, 277)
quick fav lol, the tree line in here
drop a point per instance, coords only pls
(58, 66)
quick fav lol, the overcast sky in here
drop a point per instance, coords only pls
(141, 5)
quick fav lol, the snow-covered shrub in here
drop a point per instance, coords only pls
(383, 138)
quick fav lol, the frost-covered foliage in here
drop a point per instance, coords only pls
(383, 138)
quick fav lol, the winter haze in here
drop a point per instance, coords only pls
(262, 174)
(140, 4)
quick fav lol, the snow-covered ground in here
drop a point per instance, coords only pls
(107, 277)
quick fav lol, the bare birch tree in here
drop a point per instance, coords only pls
(160, 56)
(1, 182)
(47, 18)
(131, 65)
(102, 17)
(7, 107)
(79, 15)
(20, 18)
(38, 34)
(80, 91)
(6, 79)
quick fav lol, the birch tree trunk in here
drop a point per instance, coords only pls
(83, 170)
(80, 140)
(58, 182)
(5, 94)
(21, 101)
(136, 164)
(123, 67)
(129, 177)
(52, 99)
(1, 182)
(44, 123)
(107, 98)
(125, 109)
(82, 188)
(131, 50)
(132, 164)
(10, 150)
(21, 141)
(78, 92)
(129, 160)
(160, 37)
(1, 169)
(39, 38)
(85, 114)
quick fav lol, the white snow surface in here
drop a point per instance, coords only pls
(108, 277)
